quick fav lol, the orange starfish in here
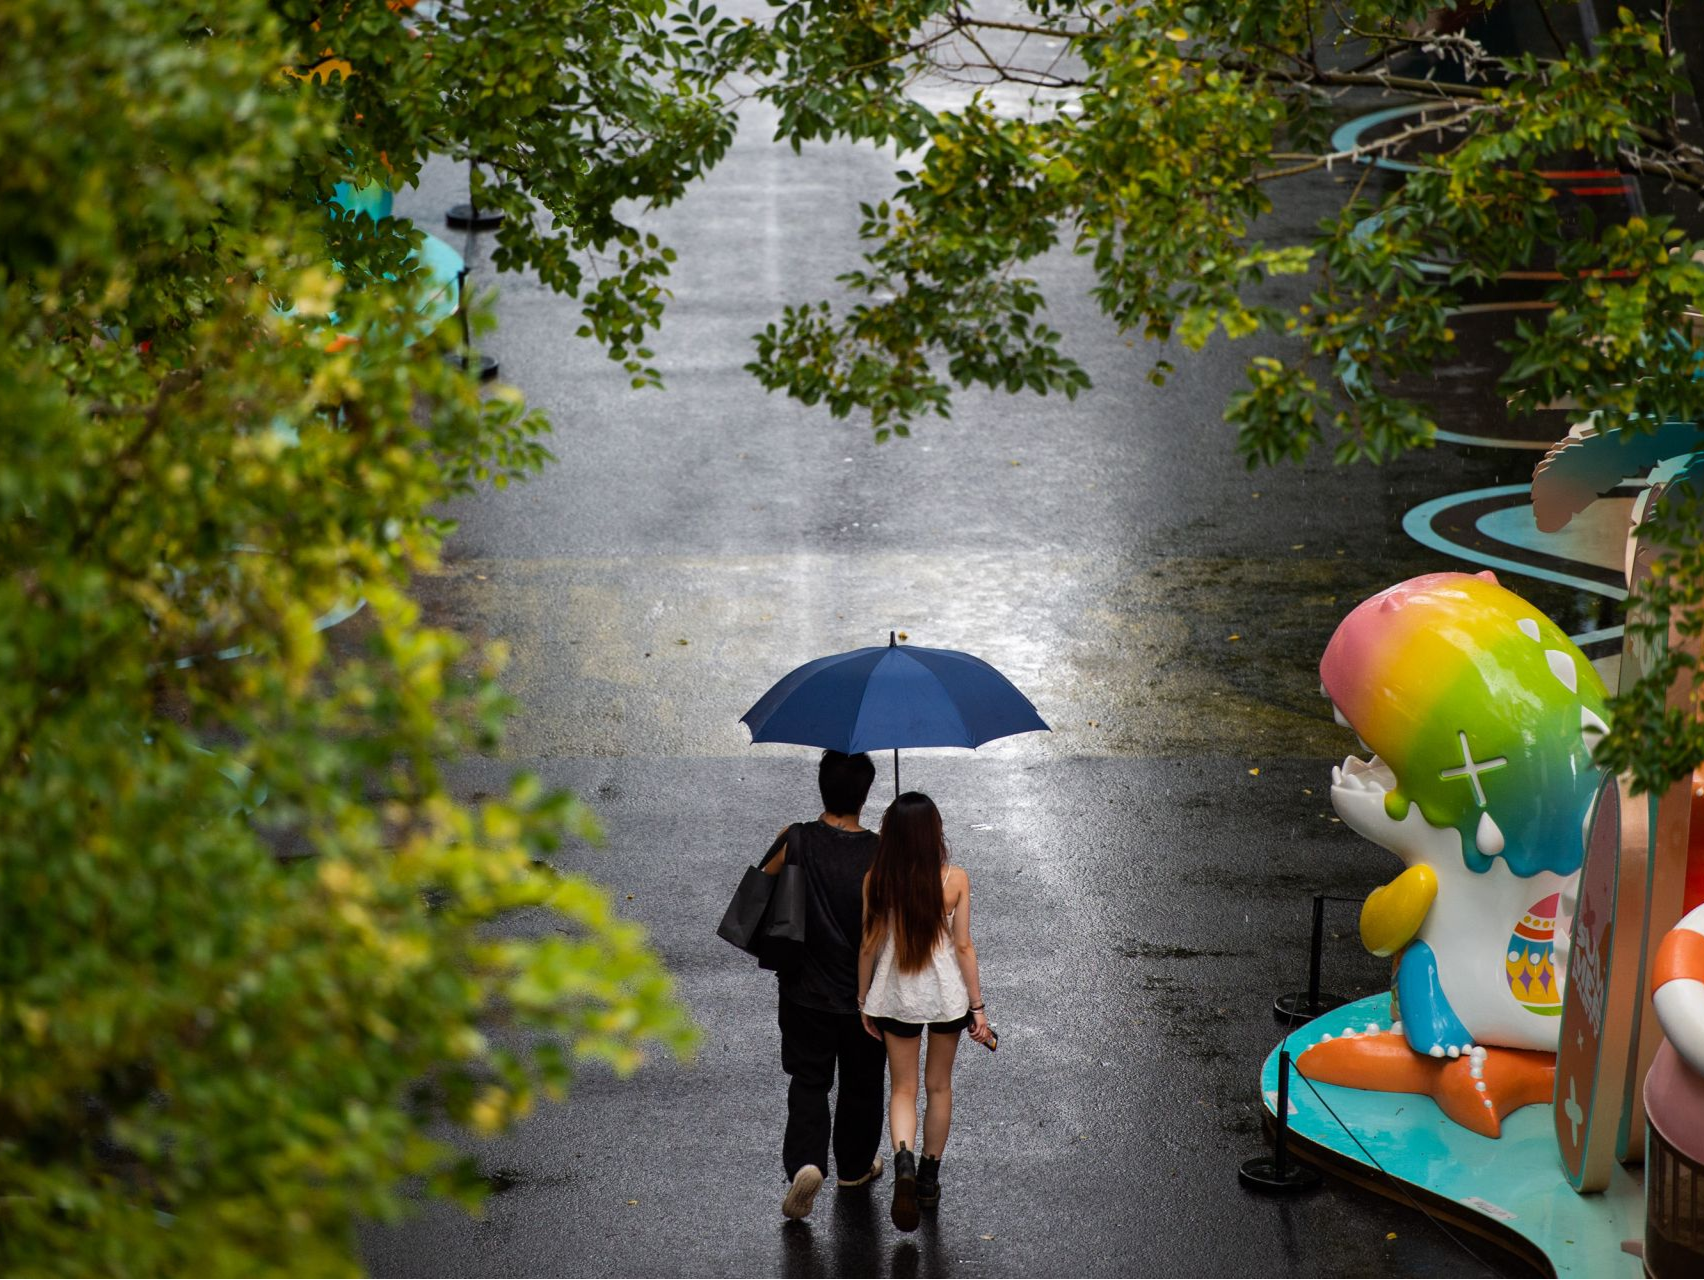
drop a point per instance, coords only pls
(1475, 1090)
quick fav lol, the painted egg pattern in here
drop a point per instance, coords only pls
(1530, 963)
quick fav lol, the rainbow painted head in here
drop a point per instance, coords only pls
(1481, 712)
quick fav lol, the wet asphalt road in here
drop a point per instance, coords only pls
(1142, 875)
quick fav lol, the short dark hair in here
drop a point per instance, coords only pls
(845, 781)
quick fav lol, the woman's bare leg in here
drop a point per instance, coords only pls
(938, 1080)
(902, 1088)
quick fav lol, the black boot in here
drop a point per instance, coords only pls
(929, 1182)
(904, 1212)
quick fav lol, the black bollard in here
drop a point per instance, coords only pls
(1300, 1006)
(1277, 1172)
(484, 367)
(470, 217)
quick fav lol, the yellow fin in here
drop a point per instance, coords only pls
(1393, 914)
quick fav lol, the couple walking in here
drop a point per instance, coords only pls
(887, 957)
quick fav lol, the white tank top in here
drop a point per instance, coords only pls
(935, 993)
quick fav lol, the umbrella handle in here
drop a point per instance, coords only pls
(896, 773)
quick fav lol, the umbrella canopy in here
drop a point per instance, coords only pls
(893, 695)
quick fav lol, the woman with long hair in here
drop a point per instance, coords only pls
(917, 969)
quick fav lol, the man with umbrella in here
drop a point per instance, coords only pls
(820, 1026)
(877, 698)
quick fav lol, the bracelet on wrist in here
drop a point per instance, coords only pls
(977, 1008)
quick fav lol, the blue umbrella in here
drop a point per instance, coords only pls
(892, 696)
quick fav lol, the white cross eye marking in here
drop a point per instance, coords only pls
(1471, 769)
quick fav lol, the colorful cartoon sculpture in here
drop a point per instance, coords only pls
(1481, 715)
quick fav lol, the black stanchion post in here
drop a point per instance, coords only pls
(1299, 1006)
(484, 366)
(1316, 953)
(470, 217)
(1275, 1173)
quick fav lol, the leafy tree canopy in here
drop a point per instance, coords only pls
(250, 948)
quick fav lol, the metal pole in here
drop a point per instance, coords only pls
(896, 773)
(1314, 960)
(1299, 1006)
(470, 217)
(1275, 1173)
(461, 312)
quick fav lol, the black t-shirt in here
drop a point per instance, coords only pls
(834, 863)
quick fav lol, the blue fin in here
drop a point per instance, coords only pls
(1428, 1022)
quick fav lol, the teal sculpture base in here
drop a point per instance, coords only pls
(1510, 1190)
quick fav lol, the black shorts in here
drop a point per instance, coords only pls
(911, 1030)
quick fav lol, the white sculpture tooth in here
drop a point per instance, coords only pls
(1396, 1027)
(1562, 667)
(1372, 1028)
(1529, 628)
(1479, 1085)
(1489, 838)
(1437, 1051)
(1337, 715)
(1336, 776)
(1455, 1051)
(1592, 727)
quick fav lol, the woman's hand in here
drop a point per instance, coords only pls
(870, 1026)
(979, 1029)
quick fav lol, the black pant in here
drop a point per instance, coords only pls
(812, 1041)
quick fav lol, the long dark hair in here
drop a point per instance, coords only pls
(905, 880)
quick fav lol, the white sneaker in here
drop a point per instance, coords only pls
(802, 1194)
(874, 1172)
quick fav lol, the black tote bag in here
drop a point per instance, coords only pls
(767, 913)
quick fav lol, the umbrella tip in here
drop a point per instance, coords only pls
(891, 641)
